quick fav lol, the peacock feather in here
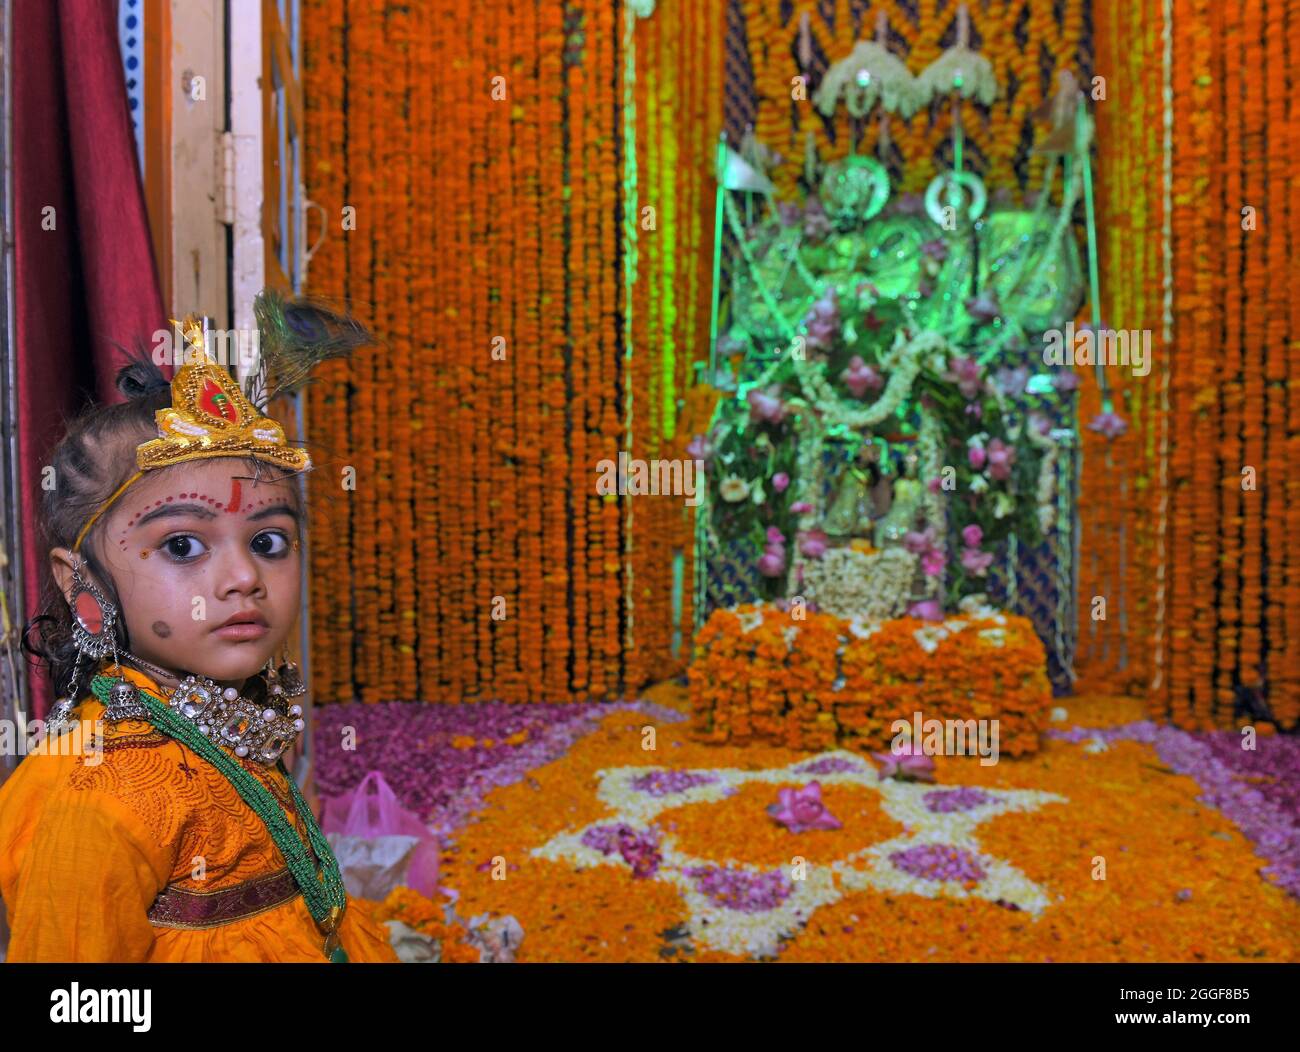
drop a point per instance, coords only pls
(296, 335)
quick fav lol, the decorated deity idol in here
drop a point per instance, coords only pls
(169, 741)
(854, 506)
(906, 507)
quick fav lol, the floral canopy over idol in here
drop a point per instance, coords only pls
(891, 440)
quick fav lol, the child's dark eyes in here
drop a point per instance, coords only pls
(271, 543)
(185, 547)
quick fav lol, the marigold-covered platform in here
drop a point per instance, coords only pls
(763, 674)
(1119, 840)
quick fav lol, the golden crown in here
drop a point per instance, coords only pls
(210, 417)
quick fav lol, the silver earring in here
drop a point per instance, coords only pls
(94, 619)
(289, 679)
(94, 633)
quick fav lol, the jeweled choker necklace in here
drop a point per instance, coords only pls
(222, 715)
(241, 725)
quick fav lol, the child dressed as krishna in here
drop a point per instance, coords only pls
(173, 534)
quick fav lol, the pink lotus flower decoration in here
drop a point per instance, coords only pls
(700, 449)
(977, 457)
(909, 763)
(860, 378)
(801, 507)
(926, 610)
(984, 307)
(1001, 458)
(1065, 381)
(933, 562)
(822, 321)
(800, 810)
(728, 345)
(966, 373)
(975, 561)
(1013, 381)
(972, 535)
(1112, 425)
(933, 557)
(816, 224)
(780, 481)
(813, 543)
(910, 204)
(772, 561)
(766, 406)
(937, 250)
(916, 542)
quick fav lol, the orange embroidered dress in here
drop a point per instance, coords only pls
(151, 855)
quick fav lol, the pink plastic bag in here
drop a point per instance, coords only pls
(362, 813)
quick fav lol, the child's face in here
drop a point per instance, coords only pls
(206, 566)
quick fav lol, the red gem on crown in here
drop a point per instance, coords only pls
(215, 402)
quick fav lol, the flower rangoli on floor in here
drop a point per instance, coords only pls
(746, 909)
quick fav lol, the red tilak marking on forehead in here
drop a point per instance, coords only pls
(233, 506)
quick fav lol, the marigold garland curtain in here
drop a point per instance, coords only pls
(480, 147)
(474, 558)
(1192, 518)
(473, 226)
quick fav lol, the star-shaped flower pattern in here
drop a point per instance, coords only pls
(744, 909)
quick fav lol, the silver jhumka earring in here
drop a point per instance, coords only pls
(94, 634)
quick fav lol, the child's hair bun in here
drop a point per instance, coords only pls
(141, 378)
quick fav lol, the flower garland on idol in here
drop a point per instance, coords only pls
(988, 476)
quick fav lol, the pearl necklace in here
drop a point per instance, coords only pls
(223, 715)
(235, 722)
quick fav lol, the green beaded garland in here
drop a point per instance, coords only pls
(321, 890)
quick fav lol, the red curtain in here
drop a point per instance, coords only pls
(85, 279)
